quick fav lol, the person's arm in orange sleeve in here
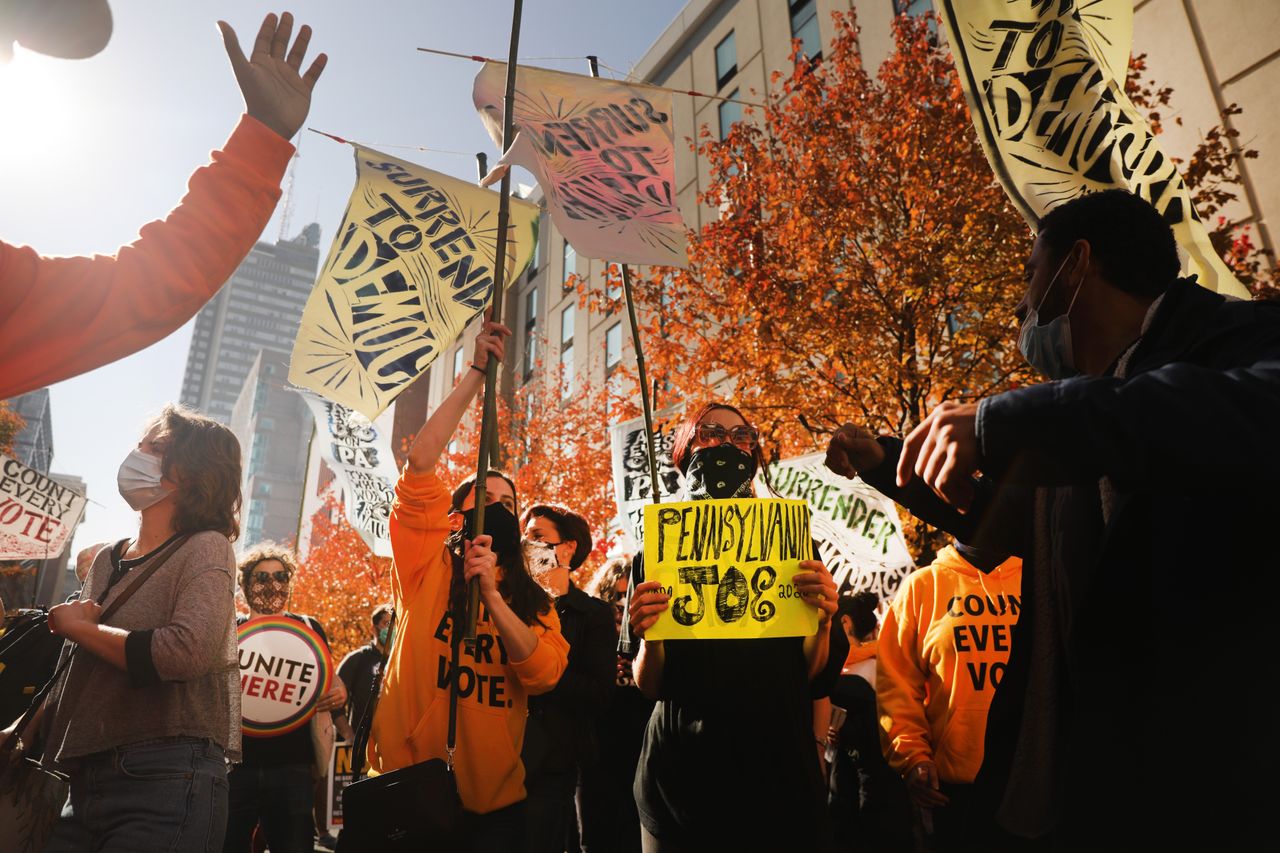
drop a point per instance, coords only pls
(60, 317)
(419, 516)
(541, 670)
(901, 682)
(900, 688)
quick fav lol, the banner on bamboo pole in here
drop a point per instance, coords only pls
(857, 529)
(413, 262)
(359, 453)
(1045, 86)
(632, 484)
(37, 513)
(603, 152)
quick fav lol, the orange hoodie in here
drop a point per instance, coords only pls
(60, 317)
(943, 649)
(411, 722)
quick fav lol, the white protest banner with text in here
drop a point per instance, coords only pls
(359, 453)
(1045, 86)
(37, 513)
(412, 264)
(858, 530)
(631, 481)
(603, 152)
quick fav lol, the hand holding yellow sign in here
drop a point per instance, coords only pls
(728, 567)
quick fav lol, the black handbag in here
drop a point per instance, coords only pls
(414, 808)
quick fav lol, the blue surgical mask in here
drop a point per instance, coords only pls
(1047, 348)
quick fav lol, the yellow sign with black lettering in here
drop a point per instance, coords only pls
(728, 567)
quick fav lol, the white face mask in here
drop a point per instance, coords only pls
(139, 480)
(1047, 348)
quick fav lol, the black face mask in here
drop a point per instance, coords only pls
(723, 471)
(498, 523)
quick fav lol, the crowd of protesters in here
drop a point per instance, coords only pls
(1033, 687)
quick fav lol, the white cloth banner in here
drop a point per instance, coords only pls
(603, 152)
(631, 482)
(37, 513)
(359, 452)
(858, 530)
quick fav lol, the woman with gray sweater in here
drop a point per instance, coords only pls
(149, 711)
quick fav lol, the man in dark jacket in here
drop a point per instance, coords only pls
(561, 735)
(1129, 491)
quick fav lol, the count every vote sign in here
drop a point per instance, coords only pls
(285, 668)
(728, 566)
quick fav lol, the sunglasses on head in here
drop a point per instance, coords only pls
(743, 436)
(262, 577)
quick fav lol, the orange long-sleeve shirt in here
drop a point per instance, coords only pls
(411, 722)
(943, 648)
(60, 317)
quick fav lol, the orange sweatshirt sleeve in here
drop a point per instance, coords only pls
(541, 671)
(419, 525)
(901, 683)
(60, 317)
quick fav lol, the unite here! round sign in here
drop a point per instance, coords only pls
(284, 670)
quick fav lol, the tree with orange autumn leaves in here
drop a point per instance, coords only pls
(866, 264)
(340, 582)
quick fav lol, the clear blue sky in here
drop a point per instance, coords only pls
(92, 150)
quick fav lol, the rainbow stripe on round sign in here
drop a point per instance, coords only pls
(324, 662)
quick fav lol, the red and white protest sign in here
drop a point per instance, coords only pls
(37, 513)
(285, 668)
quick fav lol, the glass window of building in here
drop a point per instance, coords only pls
(566, 349)
(459, 362)
(570, 263)
(612, 347)
(726, 60)
(804, 26)
(730, 113)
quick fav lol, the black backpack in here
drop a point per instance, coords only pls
(28, 658)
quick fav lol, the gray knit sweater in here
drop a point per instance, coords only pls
(182, 678)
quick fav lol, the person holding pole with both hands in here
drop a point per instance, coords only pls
(518, 650)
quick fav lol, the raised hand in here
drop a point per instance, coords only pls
(275, 92)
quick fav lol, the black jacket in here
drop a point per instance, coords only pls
(1094, 734)
(561, 732)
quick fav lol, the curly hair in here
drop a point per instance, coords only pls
(263, 552)
(203, 458)
(604, 585)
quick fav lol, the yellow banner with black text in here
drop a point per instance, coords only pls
(728, 566)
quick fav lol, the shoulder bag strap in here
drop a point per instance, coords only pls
(456, 642)
(365, 725)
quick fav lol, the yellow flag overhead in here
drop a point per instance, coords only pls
(1045, 84)
(411, 265)
(728, 566)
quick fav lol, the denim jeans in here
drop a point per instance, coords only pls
(281, 798)
(167, 794)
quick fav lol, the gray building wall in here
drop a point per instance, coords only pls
(273, 426)
(259, 307)
(33, 446)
